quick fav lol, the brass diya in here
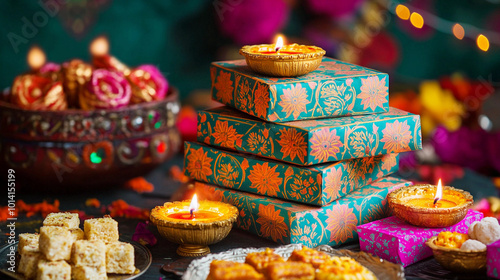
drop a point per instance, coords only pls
(194, 235)
(401, 202)
(458, 260)
(289, 61)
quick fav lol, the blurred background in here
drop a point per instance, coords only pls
(443, 58)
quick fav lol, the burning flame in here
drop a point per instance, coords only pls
(439, 192)
(279, 44)
(36, 58)
(194, 205)
(100, 46)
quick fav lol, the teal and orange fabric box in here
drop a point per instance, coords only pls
(316, 185)
(287, 222)
(312, 141)
(336, 88)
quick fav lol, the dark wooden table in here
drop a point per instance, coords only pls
(164, 251)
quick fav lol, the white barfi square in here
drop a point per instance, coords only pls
(104, 229)
(88, 253)
(67, 220)
(28, 264)
(55, 243)
(27, 239)
(77, 234)
(88, 273)
(120, 258)
(58, 270)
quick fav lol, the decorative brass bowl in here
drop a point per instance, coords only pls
(74, 149)
(458, 260)
(282, 64)
(194, 236)
(429, 217)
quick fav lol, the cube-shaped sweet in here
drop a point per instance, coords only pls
(77, 234)
(120, 258)
(58, 270)
(104, 229)
(67, 220)
(88, 253)
(55, 243)
(28, 264)
(27, 239)
(88, 273)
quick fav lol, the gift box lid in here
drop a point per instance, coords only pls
(315, 185)
(311, 141)
(336, 88)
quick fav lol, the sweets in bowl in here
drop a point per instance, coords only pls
(465, 252)
(303, 264)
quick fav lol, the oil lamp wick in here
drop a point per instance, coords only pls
(436, 200)
(191, 212)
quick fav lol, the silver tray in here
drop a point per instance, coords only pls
(198, 269)
(142, 260)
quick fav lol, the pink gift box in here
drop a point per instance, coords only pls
(493, 260)
(399, 242)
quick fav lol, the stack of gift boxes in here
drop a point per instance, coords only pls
(305, 159)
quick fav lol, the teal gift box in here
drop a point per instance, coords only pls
(311, 141)
(287, 222)
(316, 185)
(336, 88)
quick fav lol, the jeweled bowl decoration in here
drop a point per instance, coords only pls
(458, 260)
(419, 206)
(194, 233)
(62, 150)
(280, 60)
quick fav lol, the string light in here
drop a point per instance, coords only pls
(402, 12)
(482, 42)
(417, 20)
(458, 31)
(416, 16)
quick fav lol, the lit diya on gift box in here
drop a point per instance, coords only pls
(282, 60)
(194, 225)
(430, 205)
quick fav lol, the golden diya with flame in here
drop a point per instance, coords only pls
(282, 60)
(429, 205)
(194, 225)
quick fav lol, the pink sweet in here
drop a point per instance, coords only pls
(150, 87)
(106, 89)
(396, 241)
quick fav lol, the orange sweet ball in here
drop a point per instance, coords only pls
(451, 239)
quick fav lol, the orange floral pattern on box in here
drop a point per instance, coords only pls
(374, 92)
(199, 164)
(272, 225)
(261, 100)
(397, 136)
(294, 100)
(293, 144)
(325, 144)
(226, 135)
(265, 179)
(342, 223)
(224, 86)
